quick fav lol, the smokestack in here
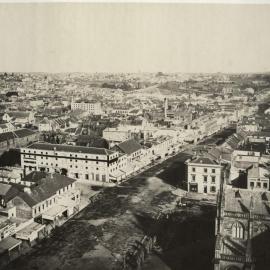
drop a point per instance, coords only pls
(165, 107)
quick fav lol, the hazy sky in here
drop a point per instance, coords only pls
(134, 37)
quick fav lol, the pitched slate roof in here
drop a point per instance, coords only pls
(241, 200)
(70, 148)
(35, 176)
(130, 146)
(20, 133)
(24, 132)
(204, 160)
(8, 191)
(46, 188)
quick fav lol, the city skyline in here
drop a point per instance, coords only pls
(172, 38)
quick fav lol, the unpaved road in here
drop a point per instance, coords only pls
(98, 236)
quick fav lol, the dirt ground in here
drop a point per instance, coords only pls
(99, 235)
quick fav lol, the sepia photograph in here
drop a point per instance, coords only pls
(135, 135)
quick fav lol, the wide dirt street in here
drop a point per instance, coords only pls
(98, 236)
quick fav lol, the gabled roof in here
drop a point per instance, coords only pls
(128, 147)
(46, 188)
(35, 176)
(8, 191)
(44, 121)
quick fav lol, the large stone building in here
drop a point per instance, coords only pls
(90, 107)
(204, 175)
(242, 230)
(79, 162)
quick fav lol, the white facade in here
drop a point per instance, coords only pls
(93, 108)
(258, 178)
(203, 177)
(81, 163)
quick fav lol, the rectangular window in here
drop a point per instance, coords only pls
(264, 185)
(213, 189)
(193, 177)
(193, 169)
(213, 178)
(205, 178)
(86, 176)
(258, 184)
(213, 170)
(103, 178)
(76, 175)
(205, 170)
(252, 184)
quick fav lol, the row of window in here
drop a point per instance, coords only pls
(70, 160)
(205, 170)
(258, 184)
(205, 178)
(71, 155)
(47, 203)
(93, 177)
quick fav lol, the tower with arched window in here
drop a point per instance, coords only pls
(242, 230)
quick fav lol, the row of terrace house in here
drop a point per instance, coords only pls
(31, 208)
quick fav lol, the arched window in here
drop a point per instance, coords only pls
(237, 230)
